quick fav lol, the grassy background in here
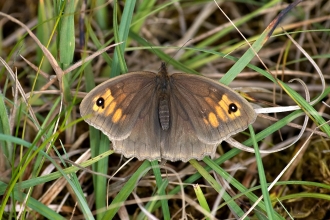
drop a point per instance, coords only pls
(53, 166)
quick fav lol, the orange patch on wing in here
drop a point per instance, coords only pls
(213, 120)
(123, 117)
(206, 121)
(110, 108)
(117, 116)
(209, 101)
(121, 97)
(107, 100)
(221, 113)
(225, 102)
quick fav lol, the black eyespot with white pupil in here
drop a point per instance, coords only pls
(100, 102)
(232, 108)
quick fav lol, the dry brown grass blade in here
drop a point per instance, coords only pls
(23, 95)
(89, 58)
(49, 56)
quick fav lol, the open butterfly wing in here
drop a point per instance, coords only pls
(214, 110)
(115, 105)
(180, 142)
(144, 141)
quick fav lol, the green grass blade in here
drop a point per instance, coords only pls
(67, 35)
(101, 14)
(37, 206)
(201, 199)
(5, 145)
(121, 35)
(52, 176)
(66, 46)
(100, 181)
(161, 189)
(126, 190)
(262, 178)
(216, 186)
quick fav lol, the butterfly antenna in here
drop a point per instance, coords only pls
(155, 52)
(164, 64)
(172, 58)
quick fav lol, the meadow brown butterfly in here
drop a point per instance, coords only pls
(175, 116)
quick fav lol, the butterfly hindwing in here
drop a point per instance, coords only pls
(145, 138)
(181, 141)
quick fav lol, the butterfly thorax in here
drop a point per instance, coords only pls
(163, 80)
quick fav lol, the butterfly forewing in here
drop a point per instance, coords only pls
(210, 107)
(114, 106)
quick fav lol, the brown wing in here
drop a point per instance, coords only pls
(144, 142)
(207, 112)
(115, 105)
(180, 142)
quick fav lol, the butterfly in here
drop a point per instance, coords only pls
(175, 116)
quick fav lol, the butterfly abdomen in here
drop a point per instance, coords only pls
(164, 114)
